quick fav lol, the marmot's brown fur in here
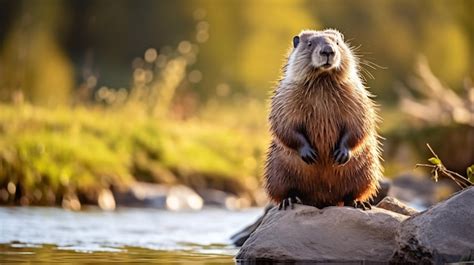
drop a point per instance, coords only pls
(325, 148)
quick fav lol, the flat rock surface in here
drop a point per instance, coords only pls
(443, 233)
(307, 233)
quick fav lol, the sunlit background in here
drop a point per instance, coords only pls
(116, 102)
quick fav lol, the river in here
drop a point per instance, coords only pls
(33, 235)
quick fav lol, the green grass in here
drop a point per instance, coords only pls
(85, 149)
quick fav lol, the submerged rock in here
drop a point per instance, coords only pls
(441, 234)
(306, 233)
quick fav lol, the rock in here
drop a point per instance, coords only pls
(181, 197)
(213, 197)
(142, 194)
(159, 196)
(71, 202)
(106, 200)
(238, 239)
(306, 233)
(394, 205)
(444, 233)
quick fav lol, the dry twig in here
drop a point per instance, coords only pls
(437, 167)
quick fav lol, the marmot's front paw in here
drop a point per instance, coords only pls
(342, 155)
(308, 154)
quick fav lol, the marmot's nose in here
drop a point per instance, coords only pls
(327, 51)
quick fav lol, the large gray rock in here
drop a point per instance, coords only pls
(239, 238)
(443, 233)
(331, 234)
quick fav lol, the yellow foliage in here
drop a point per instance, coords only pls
(448, 50)
(36, 64)
(270, 26)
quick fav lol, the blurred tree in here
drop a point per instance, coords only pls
(241, 43)
(34, 62)
(445, 42)
(463, 13)
(110, 34)
(219, 55)
(394, 33)
(247, 44)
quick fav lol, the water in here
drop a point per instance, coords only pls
(35, 235)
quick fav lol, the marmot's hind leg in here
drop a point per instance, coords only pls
(281, 185)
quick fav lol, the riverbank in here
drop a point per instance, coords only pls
(48, 154)
(72, 156)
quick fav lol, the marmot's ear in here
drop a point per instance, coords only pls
(296, 40)
(342, 36)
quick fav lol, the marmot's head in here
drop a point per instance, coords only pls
(315, 53)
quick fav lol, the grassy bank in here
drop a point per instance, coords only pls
(46, 154)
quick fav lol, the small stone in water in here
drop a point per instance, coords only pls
(106, 200)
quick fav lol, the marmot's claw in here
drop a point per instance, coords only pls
(342, 155)
(308, 154)
(360, 205)
(298, 200)
(365, 205)
(289, 202)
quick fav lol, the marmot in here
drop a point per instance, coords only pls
(325, 149)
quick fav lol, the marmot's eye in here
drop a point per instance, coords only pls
(309, 43)
(337, 42)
